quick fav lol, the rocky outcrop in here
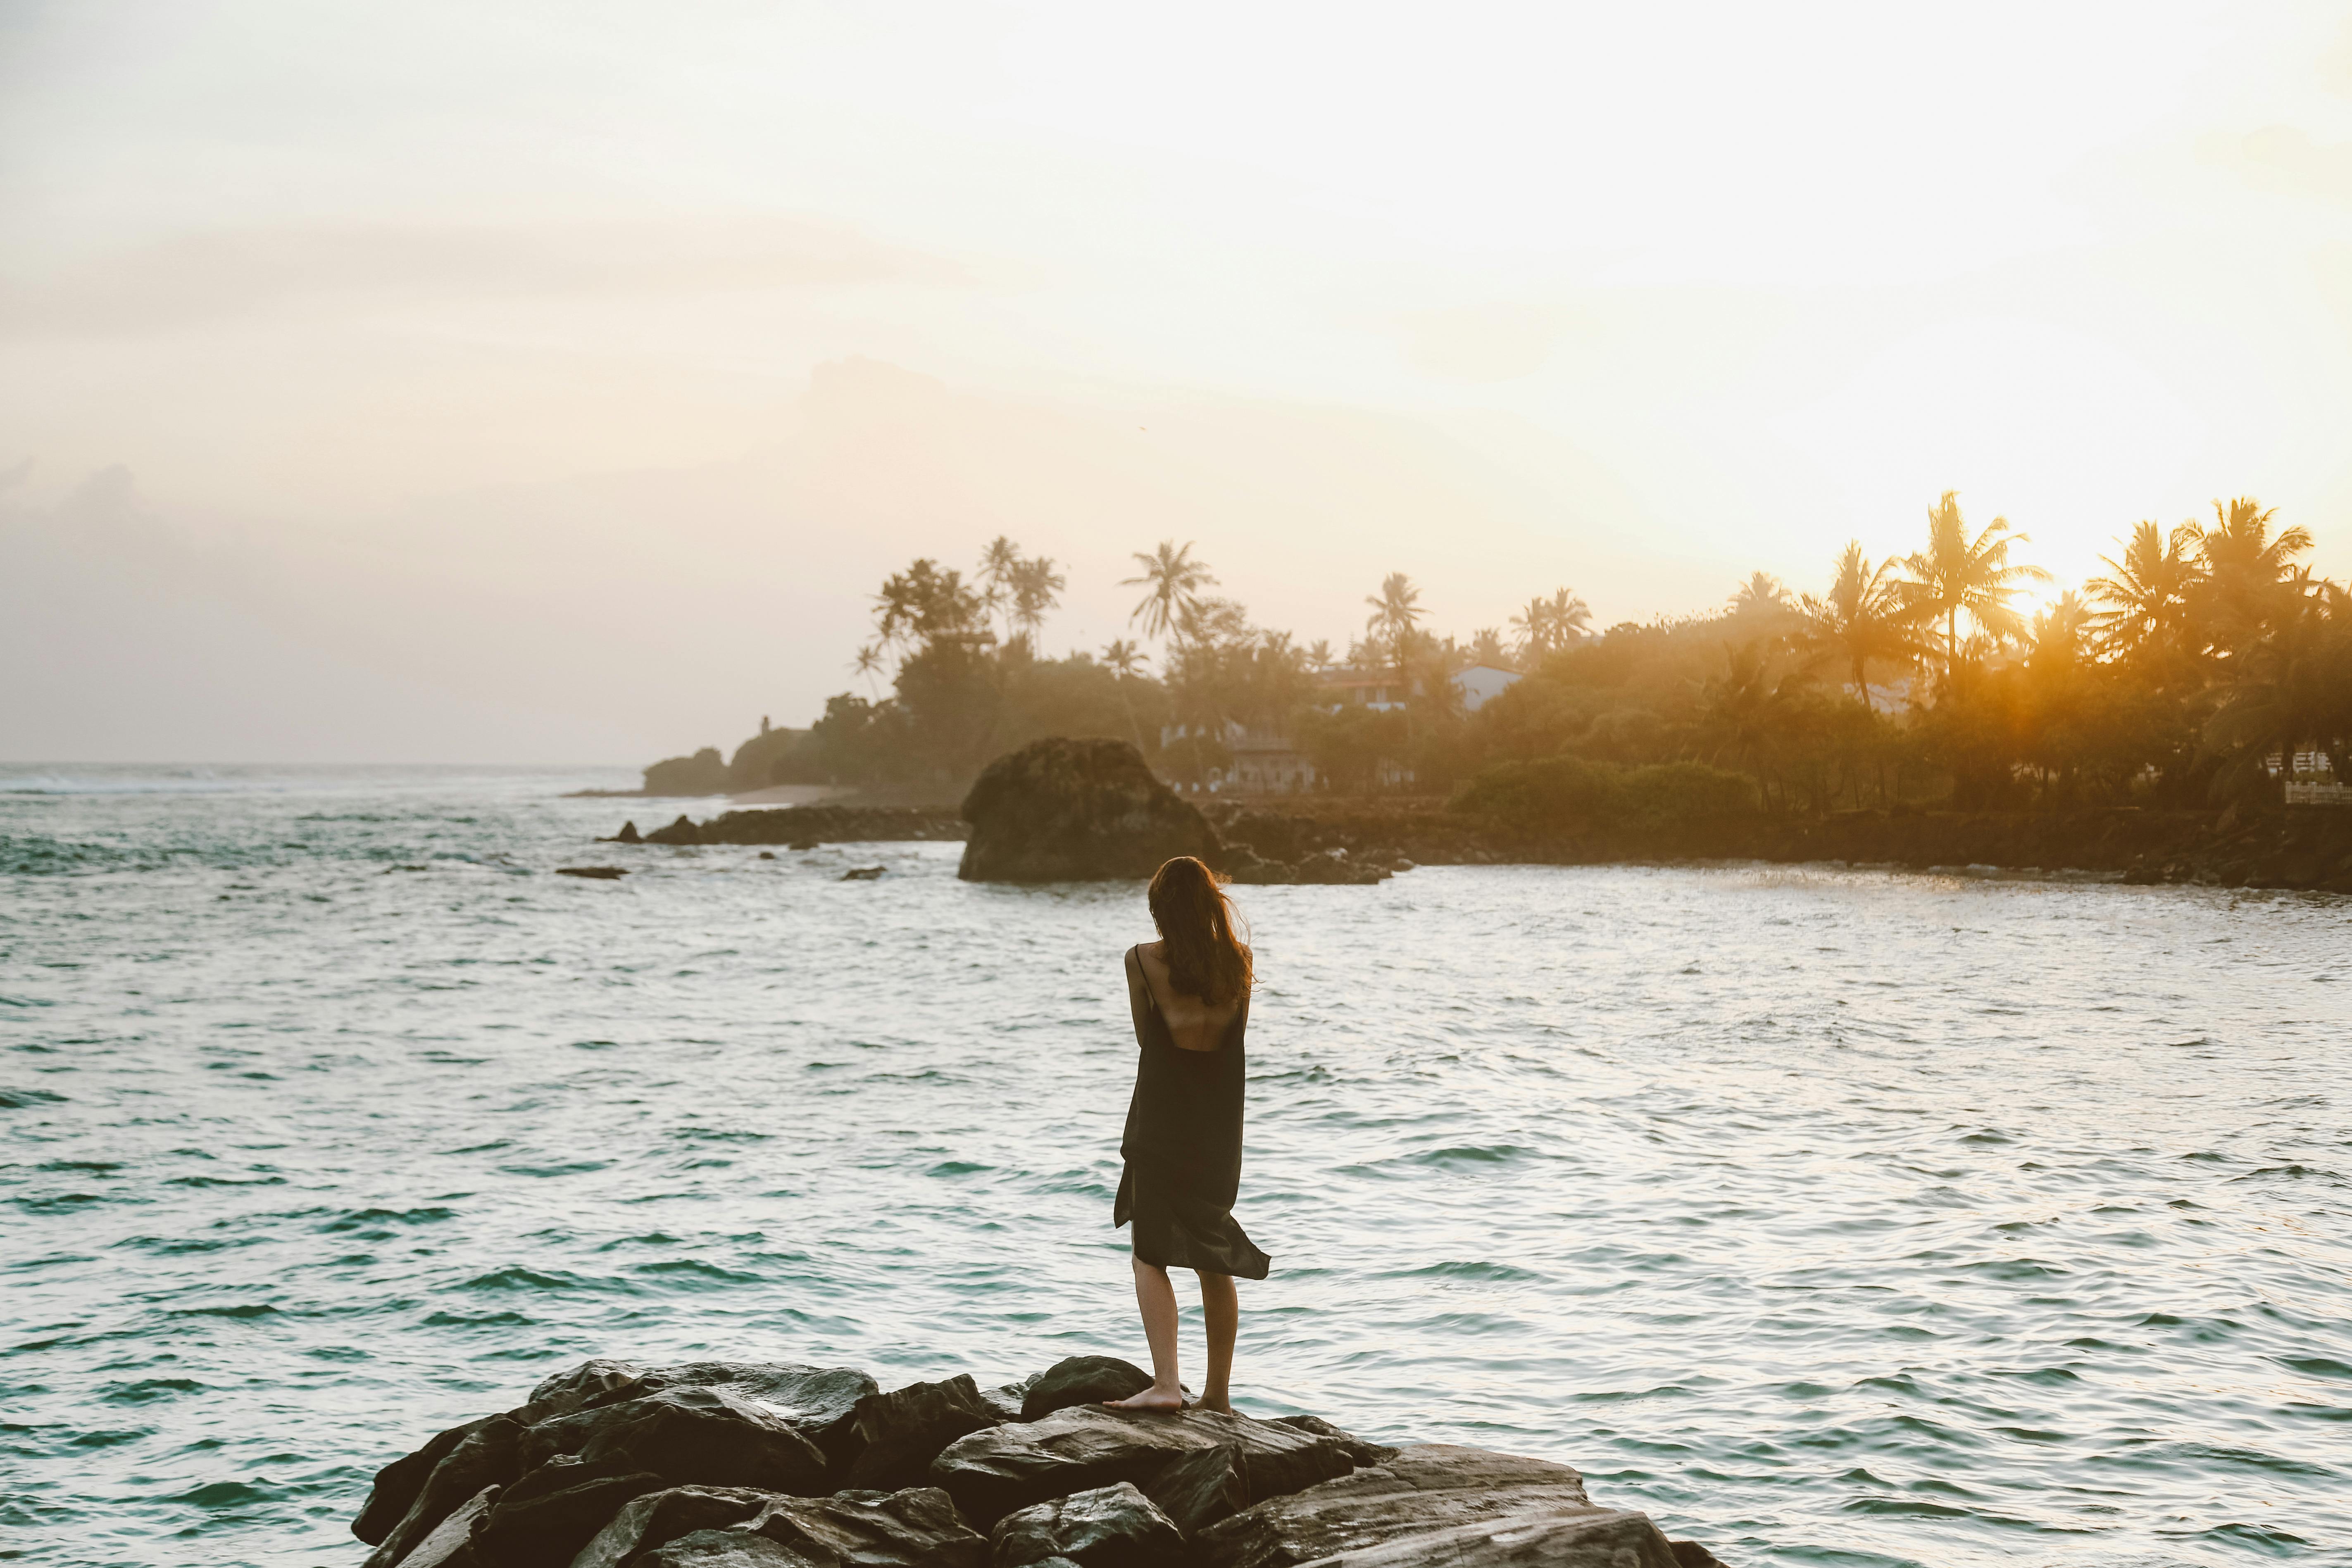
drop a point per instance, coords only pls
(1324, 867)
(1199, 1490)
(1076, 811)
(775, 1465)
(1082, 1379)
(915, 1528)
(1110, 1527)
(705, 772)
(1566, 1538)
(2300, 848)
(804, 827)
(991, 1474)
(898, 1434)
(1430, 1486)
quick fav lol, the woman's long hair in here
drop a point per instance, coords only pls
(1196, 923)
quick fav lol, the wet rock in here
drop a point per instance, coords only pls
(628, 835)
(397, 1484)
(992, 1473)
(449, 1544)
(1006, 1398)
(1108, 1527)
(1562, 1538)
(1081, 1380)
(1426, 1487)
(1201, 1489)
(654, 1520)
(1064, 811)
(725, 1549)
(543, 1519)
(816, 1400)
(489, 1454)
(682, 831)
(1691, 1554)
(595, 873)
(806, 826)
(863, 874)
(590, 1383)
(915, 1528)
(896, 1436)
(688, 1436)
(1361, 1450)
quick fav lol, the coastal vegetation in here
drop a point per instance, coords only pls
(2205, 666)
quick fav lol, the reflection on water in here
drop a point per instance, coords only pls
(1830, 1217)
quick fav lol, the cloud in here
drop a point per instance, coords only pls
(195, 278)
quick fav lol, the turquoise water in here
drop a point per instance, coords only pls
(1832, 1217)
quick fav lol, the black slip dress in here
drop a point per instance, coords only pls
(1183, 1144)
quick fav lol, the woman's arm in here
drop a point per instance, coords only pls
(1139, 996)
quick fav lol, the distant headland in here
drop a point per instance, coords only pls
(2187, 716)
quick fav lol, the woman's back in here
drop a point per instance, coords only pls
(1192, 1023)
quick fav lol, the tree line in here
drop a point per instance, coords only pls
(2203, 651)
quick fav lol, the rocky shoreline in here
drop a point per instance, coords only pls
(2297, 850)
(1061, 810)
(1350, 841)
(775, 1465)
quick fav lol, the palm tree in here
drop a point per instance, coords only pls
(1486, 647)
(1957, 575)
(1761, 595)
(2248, 573)
(1319, 655)
(1532, 630)
(2292, 687)
(1569, 617)
(1395, 608)
(1547, 625)
(998, 564)
(2058, 633)
(1125, 661)
(1744, 713)
(869, 663)
(1035, 588)
(1861, 618)
(1172, 580)
(2147, 593)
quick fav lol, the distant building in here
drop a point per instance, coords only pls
(1377, 688)
(1482, 683)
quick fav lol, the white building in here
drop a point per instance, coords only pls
(1480, 684)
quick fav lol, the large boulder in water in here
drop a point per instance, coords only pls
(1076, 811)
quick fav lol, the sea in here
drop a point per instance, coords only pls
(1830, 1215)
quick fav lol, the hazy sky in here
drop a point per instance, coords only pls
(509, 382)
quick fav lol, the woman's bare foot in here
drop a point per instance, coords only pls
(1153, 1398)
(1219, 1406)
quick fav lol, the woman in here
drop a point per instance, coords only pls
(1188, 994)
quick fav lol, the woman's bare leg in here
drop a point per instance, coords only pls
(1156, 1298)
(1220, 1308)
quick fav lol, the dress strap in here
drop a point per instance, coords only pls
(1151, 997)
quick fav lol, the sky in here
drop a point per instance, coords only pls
(555, 382)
